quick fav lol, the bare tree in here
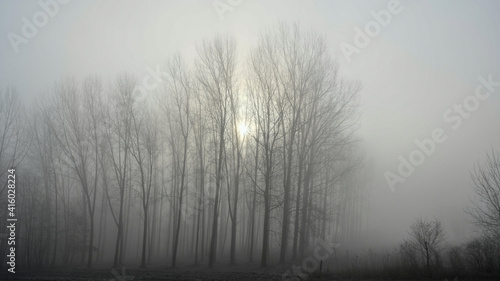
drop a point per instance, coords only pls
(177, 108)
(77, 129)
(13, 139)
(118, 134)
(199, 129)
(485, 207)
(482, 254)
(268, 114)
(426, 237)
(238, 136)
(216, 76)
(253, 192)
(145, 150)
(47, 154)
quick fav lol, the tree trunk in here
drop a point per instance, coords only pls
(213, 242)
(254, 199)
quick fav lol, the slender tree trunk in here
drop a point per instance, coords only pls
(85, 228)
(297, 211)
(305, 210)
(286, 200)
(178, 224)
(152, 226)
(144, 237)
(213, 242)
(56, 226)
(119, 235)
(254, 199)
(267, 212)
(91, 242)
(235, 212)
(203, 225)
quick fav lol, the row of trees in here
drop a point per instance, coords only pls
(256, 149)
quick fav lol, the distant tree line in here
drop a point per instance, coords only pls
(425, 252)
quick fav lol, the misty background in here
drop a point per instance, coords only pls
(426, 60)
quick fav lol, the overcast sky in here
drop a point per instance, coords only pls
(424, 61)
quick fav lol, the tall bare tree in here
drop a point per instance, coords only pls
(117, 148)
(216, 68)
(268, 114)
(145, 150)
(47, 153)
(178, 112)
(76, 126)
(199, 133)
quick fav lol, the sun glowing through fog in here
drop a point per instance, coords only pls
(243, 129)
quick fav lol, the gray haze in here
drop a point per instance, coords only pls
(426, 60)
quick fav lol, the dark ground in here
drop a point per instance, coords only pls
(239, 273)
(137, 274)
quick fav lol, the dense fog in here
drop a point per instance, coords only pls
(359, 135)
